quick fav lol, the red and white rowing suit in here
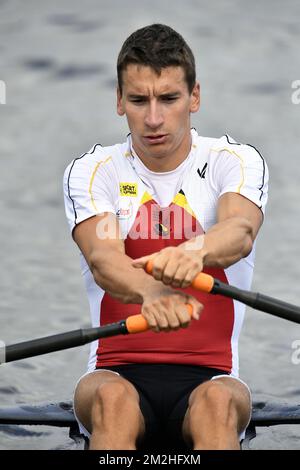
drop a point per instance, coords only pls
(156, 210)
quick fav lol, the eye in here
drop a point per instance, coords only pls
(137, 100)
(169, 99)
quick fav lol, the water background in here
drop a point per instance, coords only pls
(57, 59)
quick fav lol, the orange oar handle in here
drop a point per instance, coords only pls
(202, 281)
(138, 324)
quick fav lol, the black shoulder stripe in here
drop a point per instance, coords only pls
(231, 143)
(263, 163)
(264, 170)
(72, 166)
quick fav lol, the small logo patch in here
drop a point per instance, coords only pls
(128, 189)
(202, 172)
(125, 212)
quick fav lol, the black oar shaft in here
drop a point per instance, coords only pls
(258, 301)
(137, 323)
(67, 340)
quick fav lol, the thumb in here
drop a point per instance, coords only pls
(141, 262)
(197, 308)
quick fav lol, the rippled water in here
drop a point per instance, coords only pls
(58, 62)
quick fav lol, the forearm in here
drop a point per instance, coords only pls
(114, 273)
(225, 243)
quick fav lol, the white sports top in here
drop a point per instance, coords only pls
(156, 210)
(163, 185)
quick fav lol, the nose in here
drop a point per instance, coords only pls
(154, 116)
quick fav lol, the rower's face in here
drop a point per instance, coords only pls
(158, 109)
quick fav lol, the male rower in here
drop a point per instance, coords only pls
(190, 204)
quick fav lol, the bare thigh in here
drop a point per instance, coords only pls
(86, 393)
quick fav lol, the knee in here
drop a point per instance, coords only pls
(111, 393)
(218, 394)
(217, 399)
(112, 398)
(114, 402)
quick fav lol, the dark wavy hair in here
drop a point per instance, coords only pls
(157, 46)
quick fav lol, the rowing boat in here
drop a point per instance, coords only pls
(60, 414)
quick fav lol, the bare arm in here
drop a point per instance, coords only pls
(232, 237)
(229, 240)
(105, 254)
(99, 240)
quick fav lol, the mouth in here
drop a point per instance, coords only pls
(155, 138)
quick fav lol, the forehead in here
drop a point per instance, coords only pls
(144, 80)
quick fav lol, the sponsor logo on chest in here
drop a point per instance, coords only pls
(125, 211)
(128, 189)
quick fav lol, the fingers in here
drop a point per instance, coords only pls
(165, 270)
(197, 307)
(183, 316)
(160, 317)
(173, 266)
(158, 268)
(171, 313)
(184, 276)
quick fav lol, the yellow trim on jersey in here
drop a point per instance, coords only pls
(146, 197)
(181, 200)
(242, 164)
(92, 181)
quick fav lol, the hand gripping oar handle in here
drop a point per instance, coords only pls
(71, 339)
(137, 323)
(202, 281)
(206, 283)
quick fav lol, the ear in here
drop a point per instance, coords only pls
(120, 107)
(195, 98)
